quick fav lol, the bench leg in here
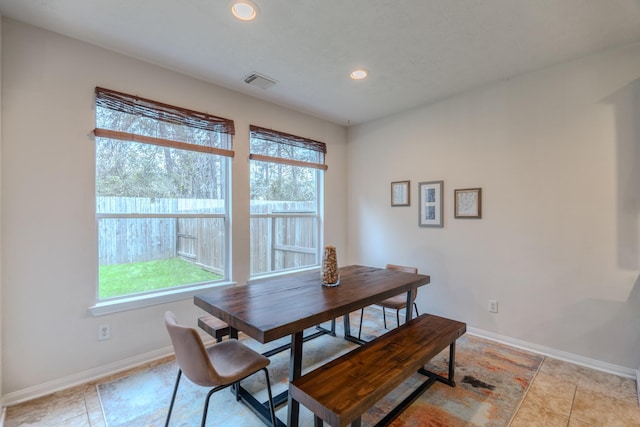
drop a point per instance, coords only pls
(450, 380)
(317, 422)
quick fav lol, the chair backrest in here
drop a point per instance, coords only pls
(412, 270)
(191, 354)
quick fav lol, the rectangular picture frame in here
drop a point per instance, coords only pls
(400, 194)
(468, 203)
(430, 211)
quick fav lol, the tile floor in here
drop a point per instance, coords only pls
(562, 394)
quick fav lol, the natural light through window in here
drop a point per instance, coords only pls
(286, 198)
(161, 196)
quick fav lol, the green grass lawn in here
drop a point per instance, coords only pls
(124, 279)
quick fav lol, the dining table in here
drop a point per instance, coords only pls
(275, 307)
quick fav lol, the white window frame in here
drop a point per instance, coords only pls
(319, 166)
(133, 301)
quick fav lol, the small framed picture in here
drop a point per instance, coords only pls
(400, 195)
(430, 209)
(468, 203)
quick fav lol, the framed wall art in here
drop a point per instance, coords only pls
(468, 203)
(400, 195)
(430, 209)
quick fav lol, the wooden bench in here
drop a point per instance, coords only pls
(343, 389)
(213, 326)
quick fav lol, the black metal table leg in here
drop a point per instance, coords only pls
(295, 370)
(409, 308)
(452, 363)
(347, 332)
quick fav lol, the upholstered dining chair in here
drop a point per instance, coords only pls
(219, 366)
(397, 302)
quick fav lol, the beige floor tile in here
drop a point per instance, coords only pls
(97, 422)
(598, 409)
(566, 371)
(121, 374)
(79, 421)
(531, 414)
(618, 387)
(94, 409)
(577, 423)
(55, 409)
(551, 393)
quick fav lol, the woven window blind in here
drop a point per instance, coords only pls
(307, 153)
(158, 111)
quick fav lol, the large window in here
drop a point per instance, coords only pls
(286, 200)
(162, 205)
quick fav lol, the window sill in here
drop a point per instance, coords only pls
(140, 301)
(282, 273)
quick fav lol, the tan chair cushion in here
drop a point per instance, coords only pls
(234, 360)
(396, 303)
(399, 301)
(221, 364)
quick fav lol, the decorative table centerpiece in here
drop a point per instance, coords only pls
(329, 272)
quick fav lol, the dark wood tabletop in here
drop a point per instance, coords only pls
(276, 307)
(272, 308)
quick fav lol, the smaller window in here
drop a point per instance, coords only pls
(286, 196)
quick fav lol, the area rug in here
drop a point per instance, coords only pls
(491, 381)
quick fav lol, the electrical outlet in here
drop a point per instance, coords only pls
(493, 306)
(104, 332)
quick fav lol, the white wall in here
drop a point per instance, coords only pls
(557, 155)
(49, 263)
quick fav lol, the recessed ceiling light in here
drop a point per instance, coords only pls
(359, 74)
(244, 10)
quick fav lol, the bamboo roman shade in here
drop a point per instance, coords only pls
(269, 145)
(144, 112)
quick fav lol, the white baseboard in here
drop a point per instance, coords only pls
(556, 354)
(49, 387)
(637, 386)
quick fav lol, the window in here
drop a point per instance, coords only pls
(162, 205)
(286, 199)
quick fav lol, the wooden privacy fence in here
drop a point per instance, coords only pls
(137, 229)
(284, 235)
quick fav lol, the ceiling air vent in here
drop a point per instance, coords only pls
(258, 80)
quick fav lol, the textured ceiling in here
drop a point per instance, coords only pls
(417, 51)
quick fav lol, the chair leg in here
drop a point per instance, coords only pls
(398, 317)
(384, 317)
(271, 406)
(360, 326)
(173, 397)
(416, 307)
(206, 406)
